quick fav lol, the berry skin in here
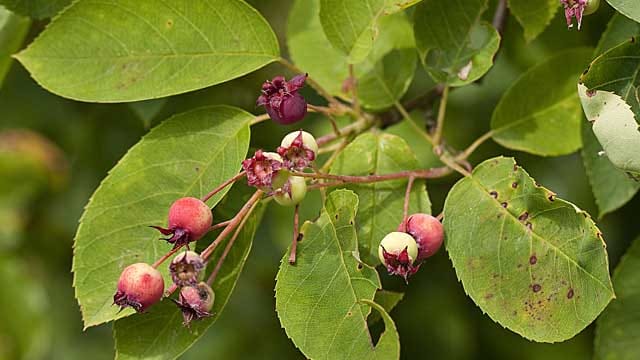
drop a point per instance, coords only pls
(185, 268)
(298, 149)
(282, 101)
(139, 286)
(292, 192)
(592, 6)
(428, 233)
(189, 220)
(397, 252)
(195, 302)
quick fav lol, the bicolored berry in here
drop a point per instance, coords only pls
(398, 251)
(195, 302)
(189, 220)
(140, 286)
(292, 192)
(298, 149)
(282, 101)
(427, 231)
(185, 268)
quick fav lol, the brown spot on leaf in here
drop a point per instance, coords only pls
(529, 225)
(524, 216)
(504, 204)
(488, 296)
(494, 194)
(551, 197)
(533, 260)
(536, 287)
(169, 24)
(514, 185)
(570, 294)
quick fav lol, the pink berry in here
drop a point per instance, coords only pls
(189, 220)
(195, 302)
(139, 286)
(428, 233)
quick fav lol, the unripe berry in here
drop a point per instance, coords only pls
(428, 233)
(195, 302)
(592, 6)
(397, 252)
(299, 150)
(292, 193)
(139, 286)
(282, 101)
(189, 220)
(185, 268)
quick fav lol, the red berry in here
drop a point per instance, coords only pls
(189, 220)
(428, 233)
(195, 302)
(282, 101)
(139, 286)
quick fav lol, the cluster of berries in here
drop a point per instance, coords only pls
(141, 285)
(271, 171)
(417, 238)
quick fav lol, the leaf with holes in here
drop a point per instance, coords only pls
(534, 16)
(13, 29)
(381, 204)
(540, 113)
(324, 299)
(186, 155)
(618, 327)
(455, 46)
(628, 8)
(37, 9)
(388, 300)
(160, 334)
(534, 263)
(119, 50)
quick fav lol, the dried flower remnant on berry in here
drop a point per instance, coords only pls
(577, 9)
(139, 286)
(262, 168)
(282, 101)
(195, 302)
(298, 150)
(185, 268)
(397, 252)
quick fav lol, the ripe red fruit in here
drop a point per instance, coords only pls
(195, 302)
(189, 220)
(282, 101)
(139, 286)
(428, 233)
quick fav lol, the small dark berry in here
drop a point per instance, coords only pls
(189, 220)
(282, 101)
(139, 286)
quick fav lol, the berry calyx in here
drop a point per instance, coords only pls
(262, 169)
(292, 192)
(140, 286)
(185, 268)
(397, 252)
(427, 231)
(577, 9)
(282, 101)
(189, 220)
(195, 302)
(298, 149)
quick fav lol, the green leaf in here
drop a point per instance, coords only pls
(159, 334)
(414, 133)
(540, 113)
(13, 29)
(612, 187)
(37, 9)
(454, 45)
(352, 26)
(615, 127)
(388, 300)
(383, 76)
(617, 331)
(534, 16)
(119, 50)
(187, 155)
(619, 30)
(628, 8)
(324, 299)
(381, 204)
(534, 263)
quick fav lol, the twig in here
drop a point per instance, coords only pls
(407, 200)
(166, 256)
(296, 233)
(437, 137)
(468, 151)
(354, 90)
(426, 100)
(219, 225)
(223, 185)
(324, 93)
(418, 174)
(500, 16)
(260, 118)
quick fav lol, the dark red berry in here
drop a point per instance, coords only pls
(282, 101)
(139, 286)
(195, 302)
(428, 233)
(185, 268)
(189, 220)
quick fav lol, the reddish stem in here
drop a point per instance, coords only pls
(419, 174)
(166, 256)
(296, 233)
(407, 199)
(223, 185)
(219, 225)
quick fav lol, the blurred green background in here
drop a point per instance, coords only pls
(54, 152)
